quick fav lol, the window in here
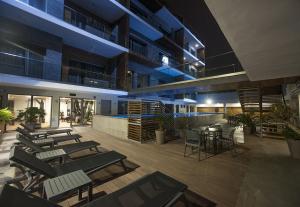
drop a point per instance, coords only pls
(87, 74)
(19, 103)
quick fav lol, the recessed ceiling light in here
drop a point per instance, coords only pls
(196, 45)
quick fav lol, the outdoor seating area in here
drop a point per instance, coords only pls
(47, 173)
(210, 139)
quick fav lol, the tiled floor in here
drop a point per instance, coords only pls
(262, 174)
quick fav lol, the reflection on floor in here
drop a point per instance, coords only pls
(261, 174)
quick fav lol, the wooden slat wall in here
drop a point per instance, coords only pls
(141, 128)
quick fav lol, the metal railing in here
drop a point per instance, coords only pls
(45, 69)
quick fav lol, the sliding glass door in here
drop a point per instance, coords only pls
(76, 112)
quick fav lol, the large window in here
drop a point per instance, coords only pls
(19, 103)
(88, 74)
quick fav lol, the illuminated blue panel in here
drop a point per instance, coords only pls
(173, 72)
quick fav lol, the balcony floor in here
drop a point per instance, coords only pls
(261, 174)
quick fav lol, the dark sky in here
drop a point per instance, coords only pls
(200, 21)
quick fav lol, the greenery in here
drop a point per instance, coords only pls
(289, 133)
(162, 121)
(31, 115)
(280, 112)
(245, 119)
(5, 115)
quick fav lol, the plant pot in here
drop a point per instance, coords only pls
(247, 130)
(294, 147)
(160, 136)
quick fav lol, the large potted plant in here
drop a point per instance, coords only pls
(32, 117)
(247, 122)
(293, 140)
(5, 116)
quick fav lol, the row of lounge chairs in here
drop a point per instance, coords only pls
(37, 160)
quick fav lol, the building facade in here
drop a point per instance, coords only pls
(75, 58)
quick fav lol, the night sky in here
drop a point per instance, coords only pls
(200, 21)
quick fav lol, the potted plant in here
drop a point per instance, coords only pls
(32, 117)
(160, 132)
(246, 121)
(5, 116)
(293, 140)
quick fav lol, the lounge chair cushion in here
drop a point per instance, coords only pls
(156, 189)
(13, 197)
(91, 163)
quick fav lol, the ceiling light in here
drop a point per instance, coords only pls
(196, 45)
(209, 101)
(196, 64)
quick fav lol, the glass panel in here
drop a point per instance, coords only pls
(43, 102)
(88, 110)
(76, 112)
(65, 112)
(17, 104)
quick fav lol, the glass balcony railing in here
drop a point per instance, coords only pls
(15, 64)
(153, 53)
(77, 19)
(89, 24)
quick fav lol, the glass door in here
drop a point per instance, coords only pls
(88, 110)
(76, 112)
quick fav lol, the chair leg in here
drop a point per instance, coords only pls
(184, 150)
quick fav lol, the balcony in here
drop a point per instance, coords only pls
(93, 37)
(38, 68)
(90, 25)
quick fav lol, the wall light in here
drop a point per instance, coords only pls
(209, 101)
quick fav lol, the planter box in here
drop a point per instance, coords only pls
(294, 147)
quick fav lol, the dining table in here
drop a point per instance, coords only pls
(211, 133)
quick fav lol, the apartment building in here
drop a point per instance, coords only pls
(64, 55)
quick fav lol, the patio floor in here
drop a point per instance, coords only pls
(261, 174)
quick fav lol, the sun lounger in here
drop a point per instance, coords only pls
(13, 197)
(156, 189)
(47, 131)
(60, 151)
(48, 140)
(88, 164)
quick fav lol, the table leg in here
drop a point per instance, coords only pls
(79, 193)
(90, 193)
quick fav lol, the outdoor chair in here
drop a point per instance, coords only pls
(40, 168)
(227, 138)
(192, 139)
(56, 139)
(47, 131)
(155, 189)
(66, 149)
